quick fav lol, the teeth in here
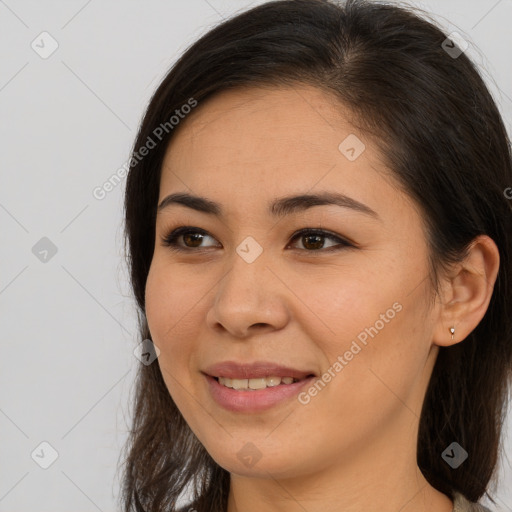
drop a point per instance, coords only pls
(254, 384)
(273, 381)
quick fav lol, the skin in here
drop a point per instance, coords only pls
(353, 446)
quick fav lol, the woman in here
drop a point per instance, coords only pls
(319, 243)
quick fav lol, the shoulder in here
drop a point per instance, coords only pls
(461, 504)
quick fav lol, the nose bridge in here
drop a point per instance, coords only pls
(247, 295)
(246, 269)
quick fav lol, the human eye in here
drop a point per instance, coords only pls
(191, 236)
(314, 240)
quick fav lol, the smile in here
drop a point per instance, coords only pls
(254, 395)
(255, 384)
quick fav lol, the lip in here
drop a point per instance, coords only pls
(255, 370)
(256, 400)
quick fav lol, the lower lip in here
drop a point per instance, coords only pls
(256, 400)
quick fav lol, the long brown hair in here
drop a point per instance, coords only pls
(444, 139)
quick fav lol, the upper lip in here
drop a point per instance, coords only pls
(255, 370)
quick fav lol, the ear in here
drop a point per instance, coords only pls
(466, 292)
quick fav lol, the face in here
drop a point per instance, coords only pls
(347, 303)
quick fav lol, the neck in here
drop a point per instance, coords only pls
(379, 474)
(411, 494)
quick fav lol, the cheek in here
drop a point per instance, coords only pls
(171, 297)
(376, 317)
(344, 301)
(170, 307)
(386, 372)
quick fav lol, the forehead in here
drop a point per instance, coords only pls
(286, 129)
(298, 117)
(253, 144)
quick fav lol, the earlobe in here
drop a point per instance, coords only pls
(466, 293)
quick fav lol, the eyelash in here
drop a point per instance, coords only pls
(171, 239)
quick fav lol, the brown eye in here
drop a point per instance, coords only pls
(314, 240)
(192, 238)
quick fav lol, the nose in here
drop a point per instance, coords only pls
(249, 298)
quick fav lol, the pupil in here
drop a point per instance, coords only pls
(317, 245)
(189, 236)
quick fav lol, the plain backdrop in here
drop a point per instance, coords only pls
(67, 319)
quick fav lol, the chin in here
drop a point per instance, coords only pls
(264, 466)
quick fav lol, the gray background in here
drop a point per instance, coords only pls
(68, 322)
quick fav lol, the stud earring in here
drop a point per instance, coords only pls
(452, 330)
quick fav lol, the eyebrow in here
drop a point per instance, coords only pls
(278, 208)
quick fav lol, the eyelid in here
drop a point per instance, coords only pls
(342, 242)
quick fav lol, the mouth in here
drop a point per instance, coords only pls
(255, 395)
(253, 387)
(258, 383)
